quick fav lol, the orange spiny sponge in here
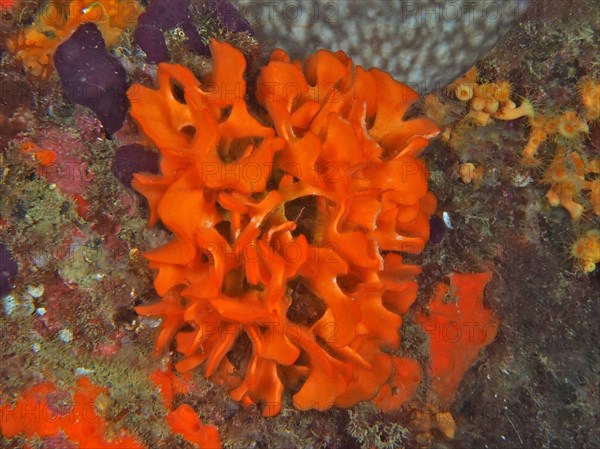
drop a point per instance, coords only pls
(58, 19)
(33, 415)
(184, 421)
(457, 330)
(279, 219)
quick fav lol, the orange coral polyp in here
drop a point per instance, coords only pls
(256, 209)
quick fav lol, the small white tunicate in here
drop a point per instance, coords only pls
(83, 371)
(41, 311)
(35, 290)
(150, 323)
(65, 335)
(520, 180)
(447, 221)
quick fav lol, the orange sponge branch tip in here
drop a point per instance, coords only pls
(186, 422)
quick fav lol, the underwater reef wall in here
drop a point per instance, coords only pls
(275, 249)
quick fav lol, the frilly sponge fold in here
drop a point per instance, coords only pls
(288, 222)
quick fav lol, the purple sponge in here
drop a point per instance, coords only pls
(228, 15)
(163, 15)
(93, 77)
(134, 158)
